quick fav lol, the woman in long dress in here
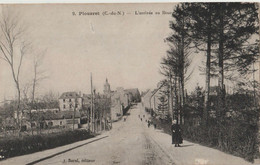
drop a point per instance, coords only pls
(176, 133)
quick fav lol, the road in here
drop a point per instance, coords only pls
(132, 143)
(127, 143)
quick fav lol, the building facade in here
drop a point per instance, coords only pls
(70, 100)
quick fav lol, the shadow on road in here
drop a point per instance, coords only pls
(187, 145)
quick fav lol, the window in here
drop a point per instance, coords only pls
(50, 123)
(69, 100)
(60, 122)
(64, 106)
(33, 124)
(64, 100)
(70, 106)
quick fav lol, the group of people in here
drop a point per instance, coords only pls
(141, 117)
(149, 122)
(176, 134)
(175, 130)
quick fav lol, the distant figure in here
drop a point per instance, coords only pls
(176, 133)
(141, 119)
(149, 123)
(154, 124)
(124, 118)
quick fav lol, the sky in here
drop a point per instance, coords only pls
(126, 50)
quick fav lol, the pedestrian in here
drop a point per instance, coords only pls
(154, 124)
(176, 133)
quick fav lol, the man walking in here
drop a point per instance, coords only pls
(176, 133)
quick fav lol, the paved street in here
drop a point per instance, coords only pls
(132, 143)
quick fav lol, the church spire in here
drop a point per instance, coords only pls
(107, 87)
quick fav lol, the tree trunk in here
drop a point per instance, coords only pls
(170, 98)
(207, 85)
(19, 121)
(183, 100)
(100, 122)
(182, 62)
(176, 114)
(220, 65)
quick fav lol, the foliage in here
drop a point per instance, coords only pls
(162, 107)
(233, 137)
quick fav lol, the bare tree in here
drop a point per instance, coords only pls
(13, 49)
(38, 75)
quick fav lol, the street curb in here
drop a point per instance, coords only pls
(61, 152)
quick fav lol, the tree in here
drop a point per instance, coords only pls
(226, 32)
(163, 104)
(203, 30)
(237, 23)
(13, 49)
(177, 59)
(38, 75)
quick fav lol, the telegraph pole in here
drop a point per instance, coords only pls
(91, 106)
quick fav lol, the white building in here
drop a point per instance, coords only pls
(69, 101)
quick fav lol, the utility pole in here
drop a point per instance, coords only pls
(91, 106)
(94, 113)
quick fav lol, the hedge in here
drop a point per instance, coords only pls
(235, 137)
(30, 144)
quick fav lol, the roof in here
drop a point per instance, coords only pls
(96, 96)
(86, 95)
(133, 91)
(68, 95)
(145, 92)
(50, 115)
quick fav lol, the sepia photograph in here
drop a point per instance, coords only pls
(130, 83)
